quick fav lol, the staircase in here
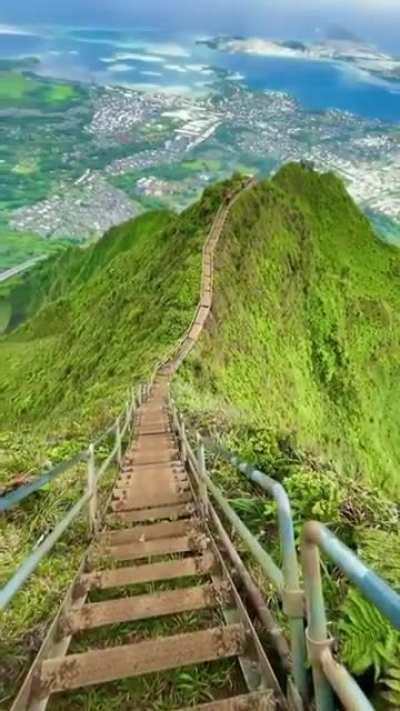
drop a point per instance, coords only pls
(155, 536)
(154, 533)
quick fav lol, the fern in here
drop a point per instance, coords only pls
(392, 684)
(367, 638)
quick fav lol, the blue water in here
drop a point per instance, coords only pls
(321, 84)
(317, 85)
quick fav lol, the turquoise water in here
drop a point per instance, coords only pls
(170, 60)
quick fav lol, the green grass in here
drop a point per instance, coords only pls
(26, 166)
(5, 314)
(196, 166)
(298, 371)
(92, 323)
(60, 93)
(15, 85)
(18, 247)
(20, 89)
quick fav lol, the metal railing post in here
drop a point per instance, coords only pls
(203, 489)
(92, 489)
(118, 441)
(183, 440)
(292, 595)
(327, 673)
(128, 416)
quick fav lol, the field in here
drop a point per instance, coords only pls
(17, 247)
(18, 88)
(15, 86)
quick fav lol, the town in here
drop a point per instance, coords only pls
(171, 146)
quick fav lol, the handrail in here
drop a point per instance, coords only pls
(291, 593)
(327, 672)
(14, 497)
(22, 492)
(29, 565)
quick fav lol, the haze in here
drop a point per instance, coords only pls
(374, 21)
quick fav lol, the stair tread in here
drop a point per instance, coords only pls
(104, 665)
(144, 549)
(154, 513)
(157, 500)
(150, 572)
(149, 532)
(139, 607)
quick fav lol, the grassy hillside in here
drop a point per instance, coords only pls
(299, 371)
(100, 319)
(305, 338)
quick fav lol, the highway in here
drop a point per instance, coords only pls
(14, 271)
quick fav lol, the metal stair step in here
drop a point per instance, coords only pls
(139, 607)
(149, 532)
(103, 665)
(150, 572)
(145, 549)
(156, 513)
(157, 500)
(263, 701)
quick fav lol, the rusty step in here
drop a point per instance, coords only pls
(145, 549)
(132, 497)
(165, 529)
(263, 701)
(131, 470)
(130, 479)
(158, 500)
(171, 513)
(100, 666)
(138, 607)
(150, 572)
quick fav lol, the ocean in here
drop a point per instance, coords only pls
(149, 58)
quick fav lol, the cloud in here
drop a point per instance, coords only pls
(173, 89)
(168, 49)
(123, 56)
(119, 68)
(176, 68)
(14, 30)
(150, 73)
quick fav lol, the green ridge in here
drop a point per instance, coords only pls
(298, 370)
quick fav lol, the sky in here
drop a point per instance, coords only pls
(374, 20)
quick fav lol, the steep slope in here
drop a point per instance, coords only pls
(299, 371)
(305, 340)
(101, 318)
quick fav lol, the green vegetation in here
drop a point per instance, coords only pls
(100, 319)
(298, 371)
(18, 247)
(14, 85)
(18, 88)
(60, 93)
(199, 165)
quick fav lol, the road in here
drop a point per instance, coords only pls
(14, 271)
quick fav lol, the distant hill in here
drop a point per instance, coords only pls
(337, 32)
